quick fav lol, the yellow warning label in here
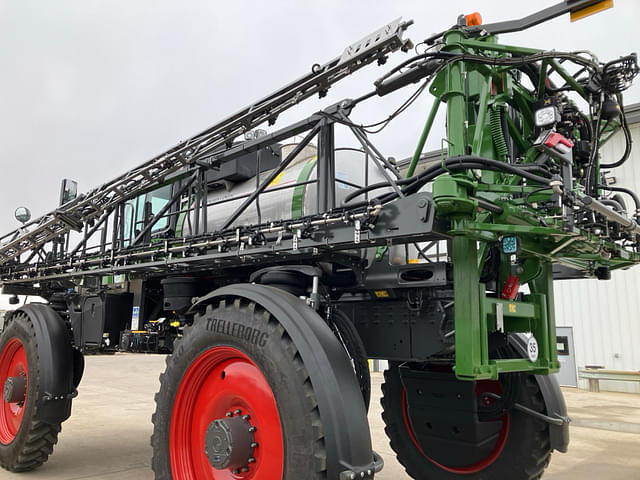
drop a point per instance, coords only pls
(591, 9)
(512, 308)
(276, 180)
(381, 293)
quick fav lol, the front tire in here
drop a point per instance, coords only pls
(25, 443)
(236, 402)
(520, 449)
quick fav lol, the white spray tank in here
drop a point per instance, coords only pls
(351, 165)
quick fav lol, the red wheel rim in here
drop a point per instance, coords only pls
(13, 362)
(222, 380)
(501, 441)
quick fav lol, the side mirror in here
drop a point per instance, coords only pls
(68, 191)
(22, 214)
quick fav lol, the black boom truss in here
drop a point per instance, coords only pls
(40, 250)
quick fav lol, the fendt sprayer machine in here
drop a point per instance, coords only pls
(271, 270)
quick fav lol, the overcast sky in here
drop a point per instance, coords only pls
(90, 89)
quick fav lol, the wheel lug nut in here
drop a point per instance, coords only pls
(236, 470)
(246, 417)
(237, 412)
(229, 414)
(253, 429)
(251, 460)
(245, 469)
(254, 444)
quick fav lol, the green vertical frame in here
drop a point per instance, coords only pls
(469, 334)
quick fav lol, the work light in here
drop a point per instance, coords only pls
(547, 116)
(510, 245)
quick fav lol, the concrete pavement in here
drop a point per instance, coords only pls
(107, 438)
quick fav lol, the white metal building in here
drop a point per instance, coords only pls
(605, 315)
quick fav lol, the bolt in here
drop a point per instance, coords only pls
(254, 444)
(422, 203)
(236, 470)
(246, 417)
(369, 472)
(245, 469)
(251, 460)
(237, 412)
(229, 414)
(362, 475)
(253, 429)
(353, 476)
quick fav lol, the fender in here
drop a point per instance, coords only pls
(306, 270)
(345, 425)
(61, 366)
(553, 399)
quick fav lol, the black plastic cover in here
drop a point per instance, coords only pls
(56, 363)
(246, 166)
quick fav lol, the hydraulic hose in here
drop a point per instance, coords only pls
(463, 162)
(631, 193)
(627, 138)
(617, 206)
(376, 186)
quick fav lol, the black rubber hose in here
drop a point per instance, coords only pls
(469, 162)
(376, 186)
(463, 162)
(617, 206)
(492, 207)
(457, 163)
(631, 193)
(627, 138)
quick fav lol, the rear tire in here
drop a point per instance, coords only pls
(524, 455)
(237, 360)
(25, 443)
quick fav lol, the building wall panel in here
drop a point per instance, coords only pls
(605, 315)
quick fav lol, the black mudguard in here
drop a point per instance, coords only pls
(345, 425)
(553, 399)
(60, 365)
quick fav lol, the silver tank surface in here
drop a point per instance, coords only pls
(352, 166)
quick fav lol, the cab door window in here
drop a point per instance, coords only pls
(159, 199)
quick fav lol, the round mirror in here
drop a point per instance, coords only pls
(22, 214)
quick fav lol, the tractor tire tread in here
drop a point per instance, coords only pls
(318, 455)
(37, 438)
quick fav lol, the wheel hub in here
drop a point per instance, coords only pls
(225, 422)
(15, 389)
(230, 441)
